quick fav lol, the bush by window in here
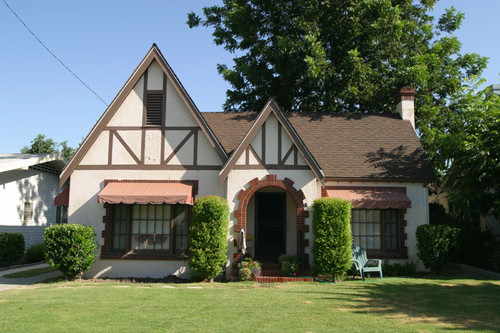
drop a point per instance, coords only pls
(332, 237)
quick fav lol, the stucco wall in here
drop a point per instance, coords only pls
(19, 186)
(84, 209)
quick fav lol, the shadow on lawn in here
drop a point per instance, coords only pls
(447, 304)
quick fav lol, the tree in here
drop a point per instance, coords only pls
(472, 149)
(43, 145)
(342, 56)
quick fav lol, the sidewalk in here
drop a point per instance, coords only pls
(6, 283)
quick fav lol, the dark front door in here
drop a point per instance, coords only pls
(270, 225)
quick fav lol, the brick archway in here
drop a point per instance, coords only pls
(298, 197)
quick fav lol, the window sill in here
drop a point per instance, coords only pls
(145, 256)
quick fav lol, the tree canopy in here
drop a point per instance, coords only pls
(43, 145)
(472, 149)
(343, 56)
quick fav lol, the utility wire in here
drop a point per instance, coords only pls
(48, 50)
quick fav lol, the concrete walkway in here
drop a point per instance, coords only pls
(7, 283)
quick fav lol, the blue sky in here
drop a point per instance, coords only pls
(103, 42)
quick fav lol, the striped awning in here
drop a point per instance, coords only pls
(373, 198)
(146, 193)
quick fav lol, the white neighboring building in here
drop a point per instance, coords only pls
(29, 183)
(152, 153)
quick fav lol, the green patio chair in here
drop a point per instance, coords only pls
(363, 264)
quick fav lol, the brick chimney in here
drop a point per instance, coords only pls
(405, 104)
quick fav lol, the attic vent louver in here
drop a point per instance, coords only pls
(154, 108)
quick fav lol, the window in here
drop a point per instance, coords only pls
(150, 228)
(28, 211)
(376, 229)
(154, 108)
(61, 214)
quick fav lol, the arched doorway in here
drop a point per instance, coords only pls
(255, 193)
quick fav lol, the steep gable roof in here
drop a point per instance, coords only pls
(153, 54)
(270, 107)
(352, 146)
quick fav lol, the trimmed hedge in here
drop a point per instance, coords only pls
(11, 247)
(436, 244)
(208, 236)
(70, 248)
(35, 253)
(332, 237)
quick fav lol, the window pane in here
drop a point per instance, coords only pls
(369, 242)
(166, 227)
(362, 229)
(135, 227)
(159, 213)
(151, 227)
(122, 241)
(143, 227)
(136, 212)
(369, 229)
(143, 212)
(165, 243)
(369, 215)
(355, 228)
(362, 215)
(376, 243)
(376, 215)
(355, 215)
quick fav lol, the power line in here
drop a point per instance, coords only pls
(48, 50)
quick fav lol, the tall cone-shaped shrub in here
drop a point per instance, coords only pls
(208, 236)
(332, 237)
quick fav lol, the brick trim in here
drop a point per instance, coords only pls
(106, 219)
(298, 197)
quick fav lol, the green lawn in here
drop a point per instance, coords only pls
(393, 304)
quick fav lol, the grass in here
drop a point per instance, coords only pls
(30, 273)
(392, 304)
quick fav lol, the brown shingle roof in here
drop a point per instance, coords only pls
(361, 146)
(230, 127)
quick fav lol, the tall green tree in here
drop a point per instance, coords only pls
(43, 145)
(342, 56)
(471, 148)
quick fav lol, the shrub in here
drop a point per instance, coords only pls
(332, 237)
(435, 244)
(252, 266)
(408, 268)
(290, 265)
(208, 236)
(245, 274)
(70, 248)
(35, 253)
(11, 247)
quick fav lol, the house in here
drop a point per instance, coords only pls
(152, 153)
(28, 185)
